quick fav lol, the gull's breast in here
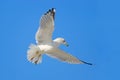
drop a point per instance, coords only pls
(45, 48)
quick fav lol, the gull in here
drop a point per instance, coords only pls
(45, 44)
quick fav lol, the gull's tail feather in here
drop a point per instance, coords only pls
(34, 54)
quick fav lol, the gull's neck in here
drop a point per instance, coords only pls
(56, 44)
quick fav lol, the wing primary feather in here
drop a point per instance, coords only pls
(52, 12)
(86, 62)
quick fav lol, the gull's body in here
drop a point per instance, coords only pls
(45, 44)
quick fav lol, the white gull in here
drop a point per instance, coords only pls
(45, 44)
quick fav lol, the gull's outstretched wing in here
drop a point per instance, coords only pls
(65, 57)
(44, 33)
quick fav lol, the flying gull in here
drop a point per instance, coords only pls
(45, 44)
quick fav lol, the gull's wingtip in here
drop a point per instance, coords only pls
(53, 9)
(51, 12)
(86, 63)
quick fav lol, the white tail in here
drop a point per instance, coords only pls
(34, 54)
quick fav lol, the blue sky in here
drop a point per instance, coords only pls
(91, 27)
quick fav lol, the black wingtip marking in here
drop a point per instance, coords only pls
(87, 63)
(51, 11)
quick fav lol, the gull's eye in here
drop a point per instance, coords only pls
(63, 40)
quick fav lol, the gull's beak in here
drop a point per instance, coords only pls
(66, 44)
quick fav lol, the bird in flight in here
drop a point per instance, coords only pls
(45, 44)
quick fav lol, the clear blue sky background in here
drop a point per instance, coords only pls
(91, 27)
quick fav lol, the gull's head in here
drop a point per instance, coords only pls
(61, 41)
